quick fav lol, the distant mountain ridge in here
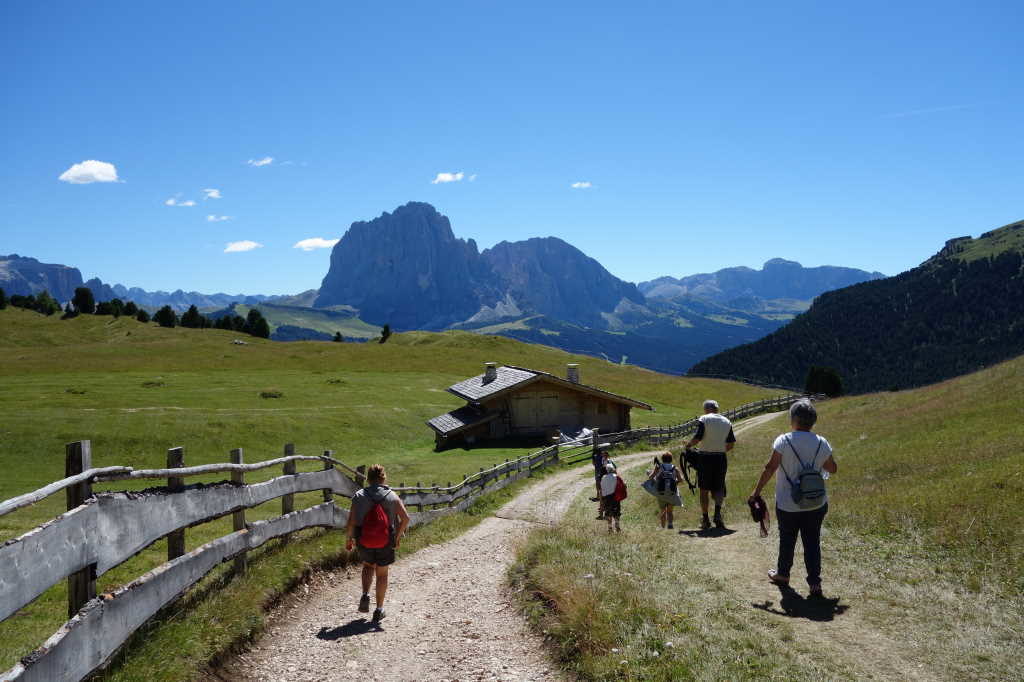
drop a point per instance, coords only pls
(27, 276)
(957, 312)
(778, 279)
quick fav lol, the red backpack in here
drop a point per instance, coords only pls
(620, 489)
(376, 528)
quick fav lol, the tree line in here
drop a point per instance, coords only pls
(84, 303)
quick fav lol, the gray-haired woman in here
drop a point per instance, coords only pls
(799, 454)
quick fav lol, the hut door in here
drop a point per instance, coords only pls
(536, 411)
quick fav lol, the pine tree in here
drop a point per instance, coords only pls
(142, 315)
(192, 319)
(130, 309)
(69, 312)
(46, 304)
(166, 317)
(3, 299)
(84, 301)
(385, 333)
(337, 337)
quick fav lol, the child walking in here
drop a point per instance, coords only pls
(609, 499)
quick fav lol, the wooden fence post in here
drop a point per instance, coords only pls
(328, 493)
(419, 491)
(175, 484)
(361, 475)
(449, 486)
(288, 501)
(238, 517)
(81, 584)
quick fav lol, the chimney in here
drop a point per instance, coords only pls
(490, 372)
(572, 372)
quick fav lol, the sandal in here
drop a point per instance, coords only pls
(774, 576)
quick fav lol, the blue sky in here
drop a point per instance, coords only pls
(712, 134)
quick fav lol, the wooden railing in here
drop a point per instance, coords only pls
(102, 530)
(659, 435)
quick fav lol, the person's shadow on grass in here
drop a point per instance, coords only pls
(795, 605)
(359, 626)
(709, 533)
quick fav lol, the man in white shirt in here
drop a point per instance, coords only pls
(714, 433)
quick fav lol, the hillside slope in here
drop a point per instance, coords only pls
(923, 557)
(958, 311)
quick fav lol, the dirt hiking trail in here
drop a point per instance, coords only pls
(449, 614)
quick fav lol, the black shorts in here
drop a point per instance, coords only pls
(711, 471)
(611, 506)
(382, 556)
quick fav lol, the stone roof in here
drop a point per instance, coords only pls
(459, 419)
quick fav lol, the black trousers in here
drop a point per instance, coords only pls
(806, 524)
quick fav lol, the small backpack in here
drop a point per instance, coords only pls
(376, 528)
(809, 487)
(667, 477)
(620, 489)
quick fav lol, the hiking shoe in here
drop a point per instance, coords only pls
(364, 604)
(719, 523)
(816, 591)
(378, 615)
(774, 576)
(670, 526)
(705, 524)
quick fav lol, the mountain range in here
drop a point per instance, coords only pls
(25, 276)
(959, 311)
(407, 269)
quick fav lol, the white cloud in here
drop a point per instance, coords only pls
(265, 161)
(217, 218)
(581, 185)
(88, 172)
(174, 201)
(244, 245)
(472, 178)
(447, 177)
(212, 194)
(315, 243)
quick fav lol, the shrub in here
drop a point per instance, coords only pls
(142, 316)
(271, 394)
(337, 337)
(824, 380)
(130, 309)
(69, 312)
(46, 304)
(385, 333)
(152, 384)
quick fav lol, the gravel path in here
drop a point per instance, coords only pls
(449, 615)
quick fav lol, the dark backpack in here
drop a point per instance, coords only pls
(620, 489)
(808, 488)
(375, 532)
(667, 477)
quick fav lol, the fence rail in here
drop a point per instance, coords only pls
(104, 529)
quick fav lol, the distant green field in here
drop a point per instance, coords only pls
(1006, 238)
(135, 390)
(327, 321)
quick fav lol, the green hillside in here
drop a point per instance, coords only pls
(956, 313)
(136, 389)
(923, 546)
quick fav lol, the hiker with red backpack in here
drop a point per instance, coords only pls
(376, 524)
(613, 492)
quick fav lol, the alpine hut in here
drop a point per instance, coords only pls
(516, 402)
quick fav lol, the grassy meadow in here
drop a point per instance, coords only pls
(923, 557)
(136, 390)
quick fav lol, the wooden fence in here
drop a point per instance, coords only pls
(102, 530)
